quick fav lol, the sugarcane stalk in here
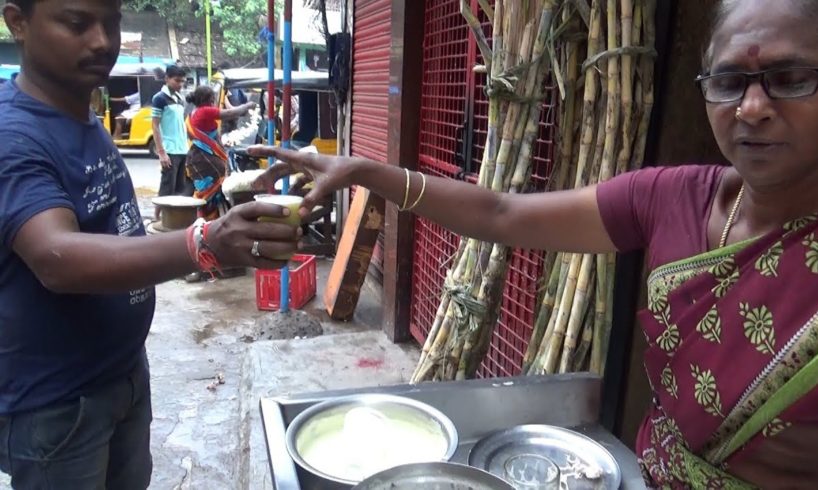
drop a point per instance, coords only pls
(566, 143)
(552, 354)
(477, 30)
(512, 118)
(624, 157)
(584, 349)
(538, 366)
(490, 152)
(444, 303)
(647, 79)
(577, 312)
(614, 97)
(535, 79)
(484, 4)
(589, 100)
(599, 346)
(601, 299)
(545, 311)
(570, 349)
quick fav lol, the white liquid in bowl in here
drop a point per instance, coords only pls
(354, 443)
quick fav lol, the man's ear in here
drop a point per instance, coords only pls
(16, 21)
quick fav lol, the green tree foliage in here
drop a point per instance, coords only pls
(5, 35)
(240, 20)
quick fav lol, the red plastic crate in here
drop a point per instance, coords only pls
(302, 285)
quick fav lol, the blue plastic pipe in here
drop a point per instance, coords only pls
(287, 58)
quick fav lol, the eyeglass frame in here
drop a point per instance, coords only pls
(749, 79)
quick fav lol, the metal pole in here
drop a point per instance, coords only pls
(207, 8)
(287, 59)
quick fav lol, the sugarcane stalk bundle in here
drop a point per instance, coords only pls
(573, 326)
(601, 131)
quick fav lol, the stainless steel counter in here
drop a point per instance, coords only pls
(477, 408)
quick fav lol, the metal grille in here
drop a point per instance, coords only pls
(448, 88)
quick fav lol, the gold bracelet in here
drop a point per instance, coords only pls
(406, 192)
(422, 190)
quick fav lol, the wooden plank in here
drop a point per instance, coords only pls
(354, 253)
(406, 70)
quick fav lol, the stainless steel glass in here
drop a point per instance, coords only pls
(532, 472)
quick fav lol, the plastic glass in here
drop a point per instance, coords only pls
(532, 472)
(293, 203)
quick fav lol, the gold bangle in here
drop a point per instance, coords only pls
(422, 190)
(406, 192)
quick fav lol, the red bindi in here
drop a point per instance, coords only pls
(753, 51)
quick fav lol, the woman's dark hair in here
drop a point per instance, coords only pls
(807, 8)
(202, 96)
(174, 71)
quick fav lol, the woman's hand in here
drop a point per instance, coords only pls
(329, 173)
(232, 237)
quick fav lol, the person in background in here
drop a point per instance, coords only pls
(235, 97)
(206, 161)
(77, 272)
(134, 102)
(170, 134)
(732, 315)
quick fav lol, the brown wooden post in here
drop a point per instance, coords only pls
(405, 72)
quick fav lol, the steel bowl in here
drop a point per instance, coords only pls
(451, 476)
(376, 401)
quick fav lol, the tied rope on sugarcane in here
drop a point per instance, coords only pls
(574, 321)
(515, 70)
(601, 58)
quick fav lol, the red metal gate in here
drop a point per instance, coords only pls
(370, 86)
(452, 105)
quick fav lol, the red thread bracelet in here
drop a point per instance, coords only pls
(207, 259)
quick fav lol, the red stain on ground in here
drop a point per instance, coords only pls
(365, 362)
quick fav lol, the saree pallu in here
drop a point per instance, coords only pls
(207, 170)
(732, 342)
(207, 173)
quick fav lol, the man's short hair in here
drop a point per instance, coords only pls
(174, 71)
(26, 6)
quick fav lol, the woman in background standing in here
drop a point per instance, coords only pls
(206, 160)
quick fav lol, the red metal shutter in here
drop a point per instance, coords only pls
(371, 45)
(370, 78)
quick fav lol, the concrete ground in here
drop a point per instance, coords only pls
(207, 435)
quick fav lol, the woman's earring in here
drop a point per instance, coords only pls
(738, 114)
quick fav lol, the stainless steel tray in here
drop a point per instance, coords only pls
(433, 476)
(570, 450)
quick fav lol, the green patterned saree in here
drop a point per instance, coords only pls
(733, 338)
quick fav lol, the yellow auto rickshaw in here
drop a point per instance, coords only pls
(131, 127)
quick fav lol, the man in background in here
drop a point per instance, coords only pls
(134, 102)
(170, 134)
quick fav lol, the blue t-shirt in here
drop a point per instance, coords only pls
(170, 109)
(56, 347)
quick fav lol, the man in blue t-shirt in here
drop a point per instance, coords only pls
(170, 134)
(76, 269)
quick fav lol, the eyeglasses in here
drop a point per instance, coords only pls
(778, 83)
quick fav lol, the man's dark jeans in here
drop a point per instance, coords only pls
(96, 442)
(175, 181)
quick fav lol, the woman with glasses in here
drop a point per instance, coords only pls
(732, 321)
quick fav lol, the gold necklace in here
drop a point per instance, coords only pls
(731, 218)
